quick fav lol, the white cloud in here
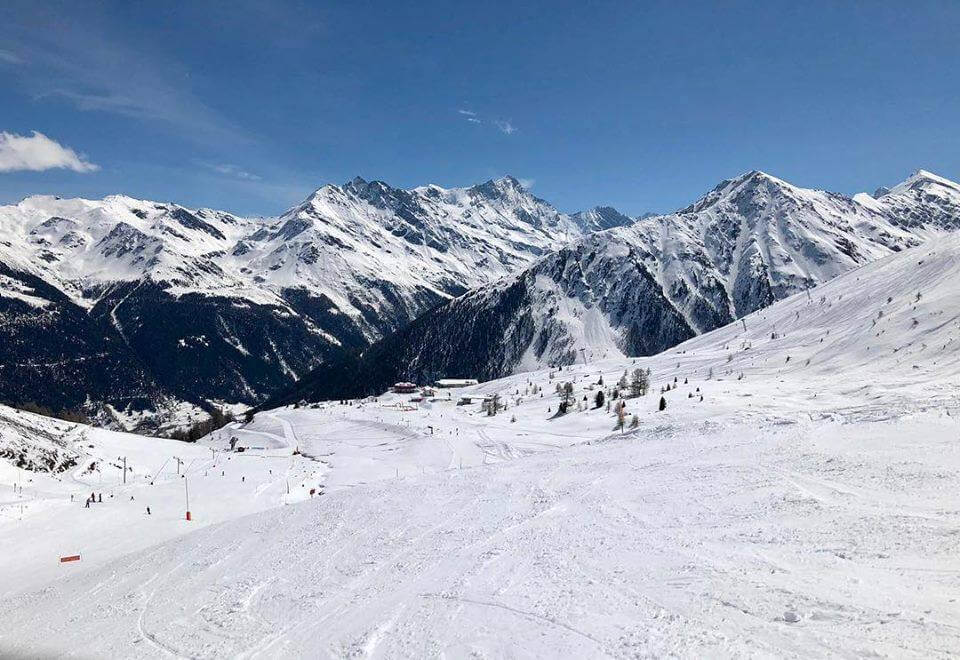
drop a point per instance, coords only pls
(9, 58)
(474, 120)
(527, 184)
(506, 127)
(37, 153)
(469, 113)
(234, 171)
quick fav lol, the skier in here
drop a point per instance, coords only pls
(87, 505)
(100, 499)
(148, 511)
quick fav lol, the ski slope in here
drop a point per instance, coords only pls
(43, 515)
(805, 507)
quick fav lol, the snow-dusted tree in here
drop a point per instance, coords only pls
(566, 397)
(634, 422)
(598, 400)
(493, 405)
(621, 411)
(640, 382)
(623, 382)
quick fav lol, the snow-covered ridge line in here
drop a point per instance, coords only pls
(435, 238)
(641, 288)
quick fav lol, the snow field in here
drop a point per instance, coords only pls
(720, 539)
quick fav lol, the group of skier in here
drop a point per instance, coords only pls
(96, 498)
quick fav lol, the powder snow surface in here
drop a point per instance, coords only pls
(806, 507)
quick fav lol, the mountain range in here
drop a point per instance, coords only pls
(643, 287)
(144, 313)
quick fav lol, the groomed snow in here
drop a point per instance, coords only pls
(807, 508)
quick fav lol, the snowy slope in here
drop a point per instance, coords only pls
(35, 443)
(149, 304)
(804, 509)
(641, 288)
(48, 468)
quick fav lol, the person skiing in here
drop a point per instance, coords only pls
(87, 505)
(148, 511)
(100, 499)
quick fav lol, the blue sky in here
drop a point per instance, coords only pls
(249, 106)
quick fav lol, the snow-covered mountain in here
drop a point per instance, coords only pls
(641, 288)
(148, 305)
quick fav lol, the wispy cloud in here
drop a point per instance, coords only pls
(527, 183)
(505, 126)
(88, 64)
(228, 169)
(37, 152)
(470, 116)
(9, 58)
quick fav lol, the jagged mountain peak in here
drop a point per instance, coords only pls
(748, 185)
(924, 180)
(505, 187)
(600, 218)
(757, 179)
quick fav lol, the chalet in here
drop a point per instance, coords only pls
(456, 382)
(466, 400)
(404, 388)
